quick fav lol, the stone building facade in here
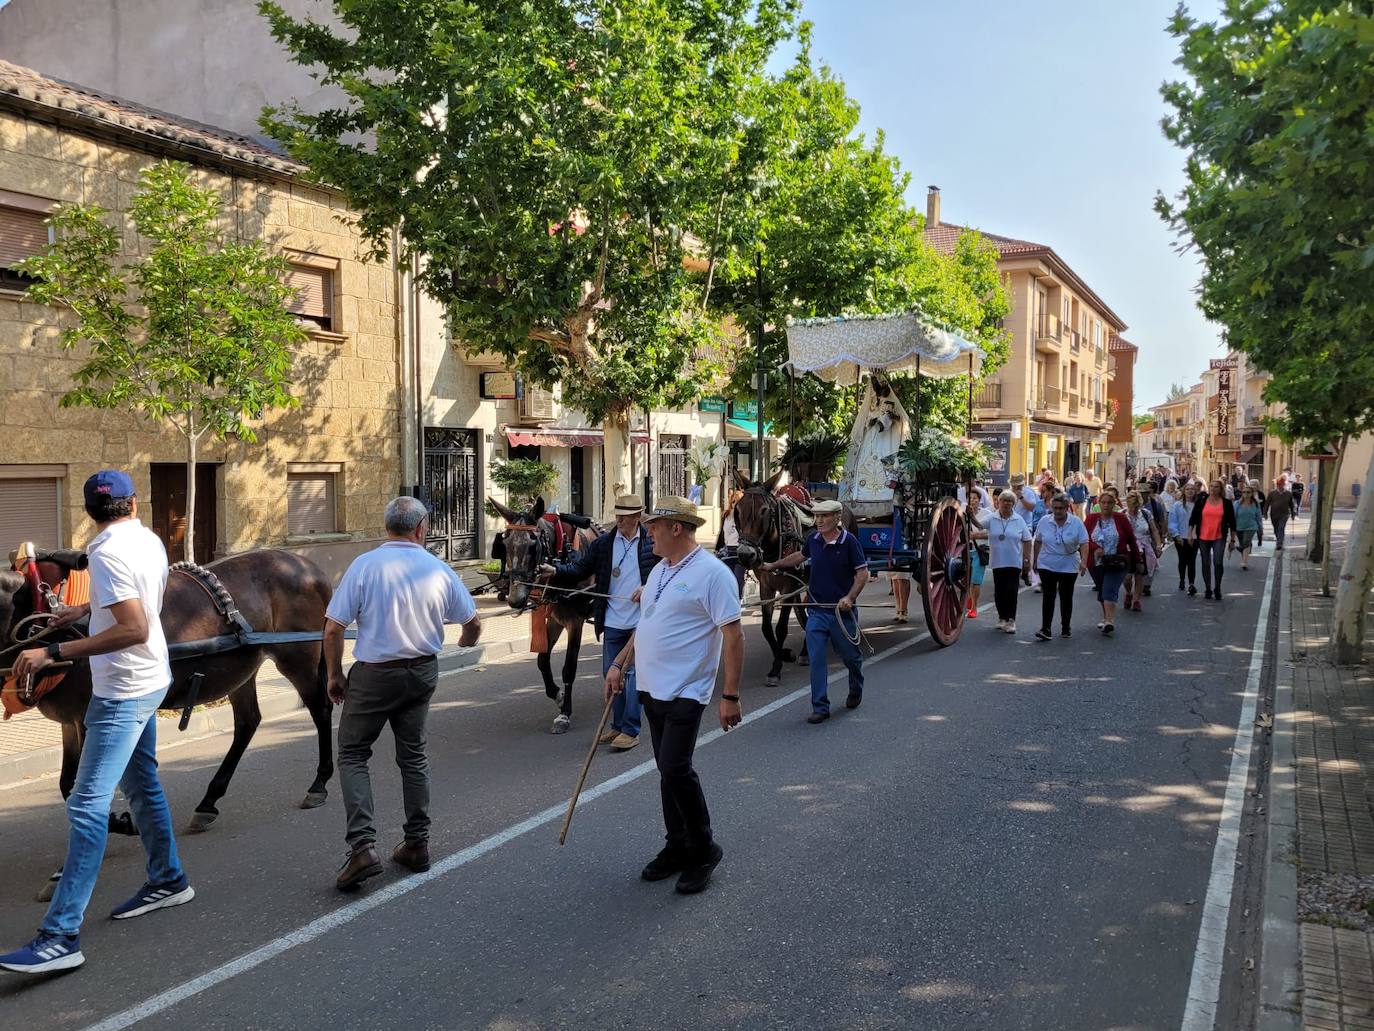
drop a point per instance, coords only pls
(319, 476)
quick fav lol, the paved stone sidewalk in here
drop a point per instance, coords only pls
(1334, 759)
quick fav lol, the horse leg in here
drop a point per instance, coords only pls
(784, 620)
(247, 716)
(770, 636)
(570, 665)
(561, 722)
(310, 681)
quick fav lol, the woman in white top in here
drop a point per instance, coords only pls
(728, 545)
(1148, 539)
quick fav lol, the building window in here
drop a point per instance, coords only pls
(23, 234)
(311, 503)
(30, 506)
(313, 281)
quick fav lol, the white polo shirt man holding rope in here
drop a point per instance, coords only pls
(689, 616)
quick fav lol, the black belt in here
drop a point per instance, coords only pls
(419, 660)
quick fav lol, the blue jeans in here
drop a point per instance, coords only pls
(625, 709)
(823, 628)
(120, 749)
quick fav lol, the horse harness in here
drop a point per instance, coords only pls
(790, 517)
(561, 551)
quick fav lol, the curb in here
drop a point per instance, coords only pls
(276, 698)
(1280, 1001)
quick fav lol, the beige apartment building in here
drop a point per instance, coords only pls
(1048, 406)
(320, 475)
(1173, 432)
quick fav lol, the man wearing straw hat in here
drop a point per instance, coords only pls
(621, 559)
(839, 571)
(689, 614)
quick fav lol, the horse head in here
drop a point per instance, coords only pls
(527, 542)
(756, 518)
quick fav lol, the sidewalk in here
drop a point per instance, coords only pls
(1330, 774)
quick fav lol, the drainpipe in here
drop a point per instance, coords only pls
(410, 474)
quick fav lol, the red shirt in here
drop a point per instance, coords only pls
(1212, 512)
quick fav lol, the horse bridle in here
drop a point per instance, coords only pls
(772, 509)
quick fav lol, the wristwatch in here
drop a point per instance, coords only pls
(55, 651)
(729, 697)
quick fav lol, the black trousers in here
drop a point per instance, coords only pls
(1187, 560)
(1212, 555)
(1005, 583)
(673, 729)
(1061, 584)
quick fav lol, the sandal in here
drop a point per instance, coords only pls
(900, 617)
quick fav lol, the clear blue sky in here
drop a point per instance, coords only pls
(1039, 119)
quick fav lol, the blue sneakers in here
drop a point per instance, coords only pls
(46, 953)
(155, 896)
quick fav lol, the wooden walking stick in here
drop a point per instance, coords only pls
(591, 754)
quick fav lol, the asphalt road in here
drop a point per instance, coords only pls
(1007, 834)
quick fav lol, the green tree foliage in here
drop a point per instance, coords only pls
(194, 333)
(1275, 117)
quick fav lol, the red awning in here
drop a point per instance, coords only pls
(558, 436)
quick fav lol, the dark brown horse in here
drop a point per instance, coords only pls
(768, 531)
(274, 591)
(530, 540)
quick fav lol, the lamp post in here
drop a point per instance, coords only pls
(760, 368)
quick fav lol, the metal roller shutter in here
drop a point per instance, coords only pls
(22, 235)
(314, 293)
(29, 512)
(310, 503)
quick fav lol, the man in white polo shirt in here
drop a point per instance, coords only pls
(130, 675)
(400, 596)
(689, 613)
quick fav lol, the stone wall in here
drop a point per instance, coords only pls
(346, 381)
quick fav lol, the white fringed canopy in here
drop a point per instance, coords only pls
(840, 349)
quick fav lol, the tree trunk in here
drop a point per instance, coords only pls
(190, 536)
(1357, 575)
(1318, 513)
(618, 477)
(1333, 478)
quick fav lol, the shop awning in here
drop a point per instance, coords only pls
(1251, 457)
(559, 436)
(746, 429)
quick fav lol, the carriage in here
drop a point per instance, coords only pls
(909, 521)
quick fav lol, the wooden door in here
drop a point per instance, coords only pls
(169, 509)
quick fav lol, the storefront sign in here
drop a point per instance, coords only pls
(712, 404)
(499, 386)
(1223, 363)
(998, 441)
(1224, 400)
(744, 410)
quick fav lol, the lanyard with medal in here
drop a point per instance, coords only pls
(625, 554)
(663, 584)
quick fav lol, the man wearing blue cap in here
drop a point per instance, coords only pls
(130, 675)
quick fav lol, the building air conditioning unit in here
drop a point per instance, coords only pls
(537, 405)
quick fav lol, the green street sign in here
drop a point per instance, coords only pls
(712, 404)
(744, 410)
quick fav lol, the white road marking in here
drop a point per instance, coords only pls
(380, 897)
(1204, 987)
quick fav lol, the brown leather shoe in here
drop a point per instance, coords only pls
(413, 855)
(608, 737)
(362, 863)
(624, 742)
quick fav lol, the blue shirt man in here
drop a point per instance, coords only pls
(839, 571)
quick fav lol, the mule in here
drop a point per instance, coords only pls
(274, 591)
(529, 541)
(766, 534)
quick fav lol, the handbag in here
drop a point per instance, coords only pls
(984, 554)
(1112, 562)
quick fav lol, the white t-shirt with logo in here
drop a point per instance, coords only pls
(128, 562)
(681, 611)
(400, 596)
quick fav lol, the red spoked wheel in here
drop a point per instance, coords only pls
(945, 572)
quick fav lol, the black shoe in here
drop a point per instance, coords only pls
(1208, 595)
(1108, 629)
(1146, 592)
(1043, 634)
(1192, 589)
(1180, 585)
(696, 877)
(818, 717)
(1216, 595)
(853, 700)
(665, 864)
(1065, 632)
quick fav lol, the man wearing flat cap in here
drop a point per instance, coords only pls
(689, 615)
(839, 571)
(621, 559)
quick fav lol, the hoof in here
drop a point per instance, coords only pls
(314, 799)
(558, 698)
(787, 655)
(561, 724)
(771, 680)
(201, 822)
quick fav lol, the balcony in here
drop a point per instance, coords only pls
(1111, 365)
(1099, 355)
(1048, 399)
(1075, 341)
(1099, 411)
(990, 396)
(1049, 333)
(1073, 404)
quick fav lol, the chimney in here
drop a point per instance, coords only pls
(932, 207)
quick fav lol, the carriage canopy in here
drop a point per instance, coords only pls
(840, 348)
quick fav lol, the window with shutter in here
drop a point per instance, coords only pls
(29, 512)
(314, 300)
(22, 235)
(310, 505)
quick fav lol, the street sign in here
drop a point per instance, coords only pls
(748, 410)
(712, 404)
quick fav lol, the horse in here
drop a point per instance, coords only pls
(530, 539)
(769, 528)
(273, 590)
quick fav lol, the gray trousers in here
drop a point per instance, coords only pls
(378, 696)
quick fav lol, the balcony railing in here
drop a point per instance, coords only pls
(1048, 399)
(1099, 355)
(1098, 410)
(990, 396)
(1111, 365)
(1073, 404)
(1075, 340)
(1049, 327)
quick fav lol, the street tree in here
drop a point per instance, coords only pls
(1274, 117)
(558, 168)
(194, 333)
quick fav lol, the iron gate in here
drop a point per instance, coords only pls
(672, 464)
(451, 489)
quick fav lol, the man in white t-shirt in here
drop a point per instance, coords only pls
(400, 596)
(689, 614)
(130, 675)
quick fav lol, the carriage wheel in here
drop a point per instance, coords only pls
(945, 572)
